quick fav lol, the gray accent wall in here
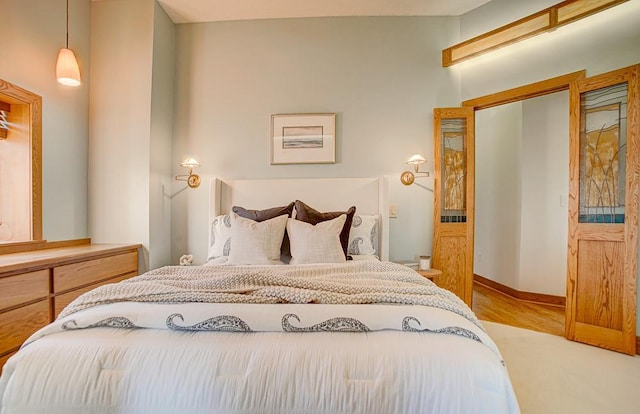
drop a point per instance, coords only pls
(382, 76)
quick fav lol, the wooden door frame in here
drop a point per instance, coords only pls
(532, 90)
(557, 84)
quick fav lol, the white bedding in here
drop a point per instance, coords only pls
(401, 359)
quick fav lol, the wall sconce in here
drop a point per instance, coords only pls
(408, 177)
(193, 180)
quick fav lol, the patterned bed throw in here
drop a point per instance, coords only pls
(351, 283)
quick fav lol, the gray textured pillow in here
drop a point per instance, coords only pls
(256, 243)
(316, 244)
(310, 215)
(266, 214)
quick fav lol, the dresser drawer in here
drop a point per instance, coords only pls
(62, 300)
(18, 324)
(23, 288)
(85, 273)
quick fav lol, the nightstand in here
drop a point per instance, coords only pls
(410, 264)
(430, 274)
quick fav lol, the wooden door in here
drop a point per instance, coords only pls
(603, 210)
(454, 183)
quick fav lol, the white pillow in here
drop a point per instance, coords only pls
(255, 242)
(316, 244)
(363, 237)
(220, 237)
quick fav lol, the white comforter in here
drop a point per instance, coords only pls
(235, 358)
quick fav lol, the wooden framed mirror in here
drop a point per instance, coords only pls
(20, 167)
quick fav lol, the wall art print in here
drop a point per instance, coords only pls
(303, 139)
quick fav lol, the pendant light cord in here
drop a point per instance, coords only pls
(67, 24)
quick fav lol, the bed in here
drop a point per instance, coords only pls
(347, 336)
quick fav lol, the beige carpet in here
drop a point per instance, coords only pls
(553, 375)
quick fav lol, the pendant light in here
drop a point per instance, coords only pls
(67, 70)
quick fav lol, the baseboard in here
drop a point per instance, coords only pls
(527, 296)
(638, 345)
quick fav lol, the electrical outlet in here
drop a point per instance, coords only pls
(393, 211)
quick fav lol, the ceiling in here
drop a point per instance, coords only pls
(193, 11)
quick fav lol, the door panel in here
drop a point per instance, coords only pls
(600, 266)
(454, 184)
(603, 210)
(451, 254)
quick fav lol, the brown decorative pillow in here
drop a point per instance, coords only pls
(313, 216)
(267, 214)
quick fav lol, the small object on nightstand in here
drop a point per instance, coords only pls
(425, 262)
(430, 274)
(186, 260)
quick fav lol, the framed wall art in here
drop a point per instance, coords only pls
(303, 139)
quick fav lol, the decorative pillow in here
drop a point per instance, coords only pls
(262, 215)
(363, 237)
(254, 242)
(316, 244)
(364, 257)
(313, 216)
(220, 237)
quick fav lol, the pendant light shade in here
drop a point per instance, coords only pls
(67, 70)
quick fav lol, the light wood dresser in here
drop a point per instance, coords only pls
(35, 286)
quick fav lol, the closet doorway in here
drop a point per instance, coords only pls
(521, 209)
(602, 200)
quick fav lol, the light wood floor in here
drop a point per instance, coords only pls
(494, 306)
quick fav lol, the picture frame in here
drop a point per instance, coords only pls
(303, 138)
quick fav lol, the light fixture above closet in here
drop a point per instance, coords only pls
(544, 21)
(67, 69)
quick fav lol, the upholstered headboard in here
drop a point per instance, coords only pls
(369, 195)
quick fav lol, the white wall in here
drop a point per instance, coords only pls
(33, 31)
(498, 13)
(522, 176)
(381, 76)
(544, 194)
(498, 187)
(599, 43)
(121, 44)
(160, 179)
